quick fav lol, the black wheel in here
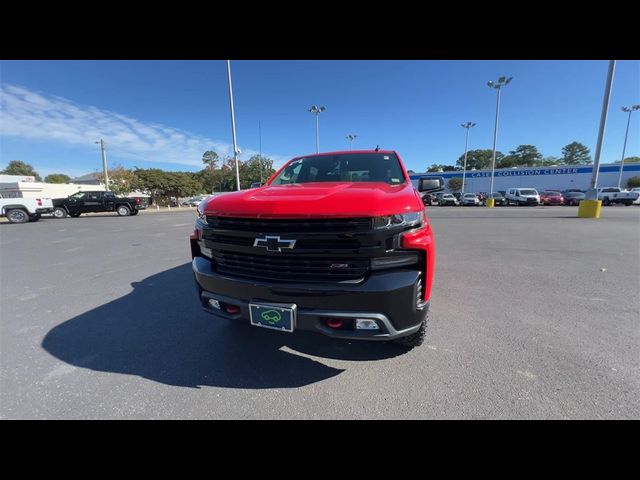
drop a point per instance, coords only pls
(415, 339)
(75, 214)
(17, 215)
(59, 212)
(123, 211)
(34, 218)
(135, 212)
(626, 204)
(606, 202)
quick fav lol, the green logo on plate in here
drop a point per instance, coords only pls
(271, 316)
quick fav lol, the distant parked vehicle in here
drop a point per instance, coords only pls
(23, 210)
(637, 200)
(448, 199)
(194, 201)
(470, 199)
(551, 197)
(498, 198)
(610, 195)
(427, 199)
(98, 201)
(458, 196)
(523, 196)
(572, 198)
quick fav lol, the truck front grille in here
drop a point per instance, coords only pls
(290, 267)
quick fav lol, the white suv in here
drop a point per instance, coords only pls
(470, 199)
(522, 196)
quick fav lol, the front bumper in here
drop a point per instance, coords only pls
(44, 210)
(388, 297)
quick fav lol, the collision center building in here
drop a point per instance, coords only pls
(541, 178)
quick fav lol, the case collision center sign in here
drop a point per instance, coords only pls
(521, 173)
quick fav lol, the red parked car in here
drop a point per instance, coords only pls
(551, 197)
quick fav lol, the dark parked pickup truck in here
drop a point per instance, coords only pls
(86, 202)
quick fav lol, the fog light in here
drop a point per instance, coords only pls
(214, 303)
(366, 324)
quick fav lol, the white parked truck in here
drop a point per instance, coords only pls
(23, 210)
(610, 195)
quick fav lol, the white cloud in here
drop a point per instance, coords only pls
(34, 115)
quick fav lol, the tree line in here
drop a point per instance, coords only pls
(217, 175)
(574, 153)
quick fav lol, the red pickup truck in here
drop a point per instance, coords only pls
(337, 243)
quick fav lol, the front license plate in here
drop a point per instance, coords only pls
(274, 316)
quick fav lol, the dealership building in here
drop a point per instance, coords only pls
(540, 178)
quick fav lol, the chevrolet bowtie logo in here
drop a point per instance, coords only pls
(273, 243)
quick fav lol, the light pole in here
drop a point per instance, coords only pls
(502, 81)
(466, 126)
(104, 163)
(592, 193)
(317, 111)
(624, 147)
(351, 138)
(233, 124)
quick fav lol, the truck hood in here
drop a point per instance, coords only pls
(316, 200)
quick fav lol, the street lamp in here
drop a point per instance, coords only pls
(351, 138)
(104, 163)
(502, 81)
(628, 110)
(466, 126)
(317, 111)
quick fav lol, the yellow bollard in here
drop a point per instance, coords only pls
(589, 208)
(491, 202)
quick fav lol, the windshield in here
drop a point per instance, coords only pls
(527, 191)
(496, 195)
(552, 194)
(357, 167)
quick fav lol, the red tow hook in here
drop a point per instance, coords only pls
(334, 322)
(232, 309)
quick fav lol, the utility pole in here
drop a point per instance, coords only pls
(104, 164)
(351, 138)
(233, 124)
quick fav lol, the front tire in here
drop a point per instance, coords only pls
(75, 215)
(124, 211)
(135, 212)
(17, 215)
(415, 339)
(606, 202)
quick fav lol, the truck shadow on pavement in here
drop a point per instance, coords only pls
(159, 332)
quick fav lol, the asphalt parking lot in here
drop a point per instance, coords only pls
(535, 315)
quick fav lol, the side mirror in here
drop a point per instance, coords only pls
(430, 184)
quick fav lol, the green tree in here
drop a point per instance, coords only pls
(18, 167)
(121, 180)
(479, 159)
(57, 178)
(256, 169)
(575, 153)
(633, 182)
(526, 156)
(455, 184)
(629, 160)
(551, 160)
(508, 161)
(436, 167)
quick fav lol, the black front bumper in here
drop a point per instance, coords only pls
(388, 297)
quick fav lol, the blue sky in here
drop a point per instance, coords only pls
(167, 113)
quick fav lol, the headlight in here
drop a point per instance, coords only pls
(201, 215)
(411, 219)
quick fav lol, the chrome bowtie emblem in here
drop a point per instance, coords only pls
(273, 243)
